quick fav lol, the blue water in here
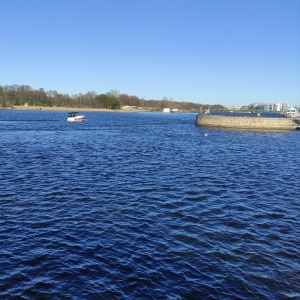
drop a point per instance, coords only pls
(146, 206)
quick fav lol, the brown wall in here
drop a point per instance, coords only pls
(245, 122)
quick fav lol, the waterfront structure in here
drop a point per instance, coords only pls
(292, 112)
(240, 122)
(129, 107)
(269, 107)
(277, 106)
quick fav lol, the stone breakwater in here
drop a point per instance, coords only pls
(238, 122)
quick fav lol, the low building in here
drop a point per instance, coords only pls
(129, 107)
(292, 112)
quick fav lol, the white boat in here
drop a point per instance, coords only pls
(75, 117)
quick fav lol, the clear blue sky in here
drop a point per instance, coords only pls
(203, 51)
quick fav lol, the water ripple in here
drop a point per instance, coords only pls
(144, 206)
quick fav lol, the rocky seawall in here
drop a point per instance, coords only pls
(239, 122)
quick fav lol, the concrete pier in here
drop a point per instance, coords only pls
(238, 122)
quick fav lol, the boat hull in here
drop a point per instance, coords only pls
(75, 119)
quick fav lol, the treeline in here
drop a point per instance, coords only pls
(11, 95)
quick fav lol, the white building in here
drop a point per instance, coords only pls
(129, 107)
(292, 112)
(277, 106)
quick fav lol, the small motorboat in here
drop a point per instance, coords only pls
(75, 117)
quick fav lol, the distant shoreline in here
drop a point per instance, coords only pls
(55, 108)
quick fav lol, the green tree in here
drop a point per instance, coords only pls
(2, 102)
(113, 103)
(107, 101)
(102, 100)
